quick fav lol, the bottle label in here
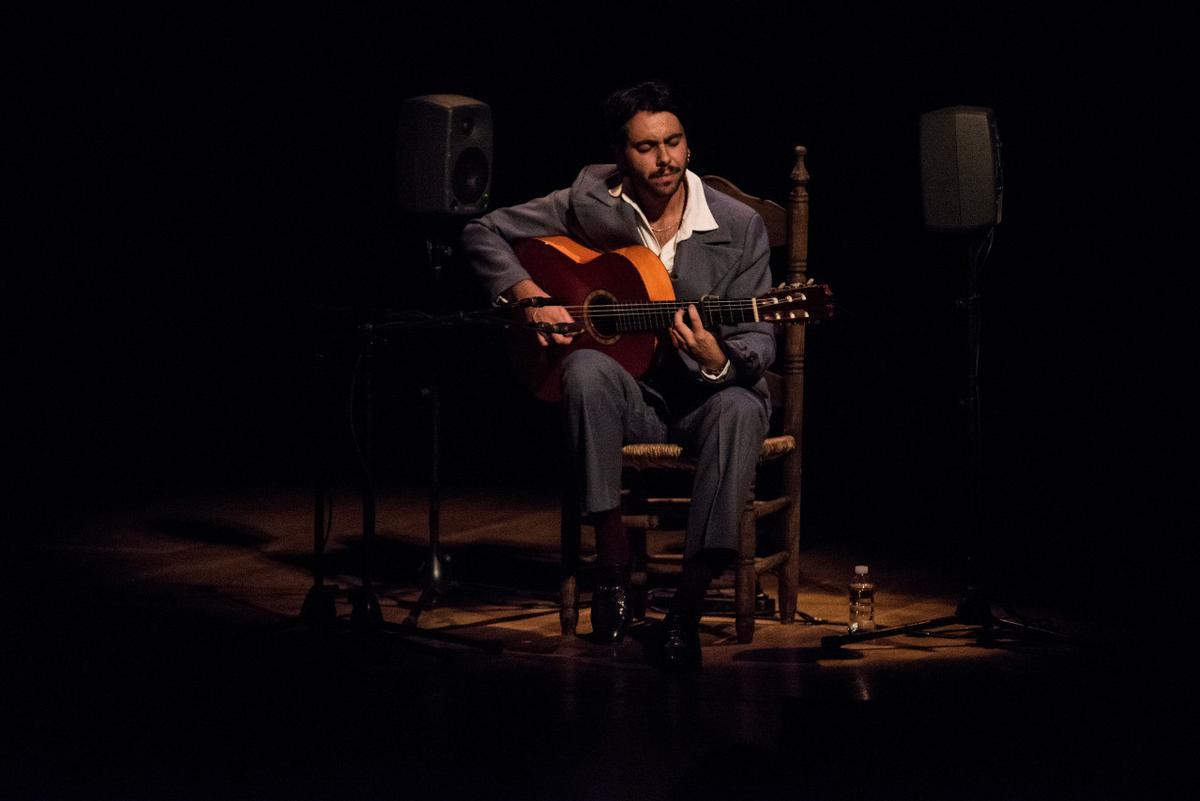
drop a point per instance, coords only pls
(862, 606)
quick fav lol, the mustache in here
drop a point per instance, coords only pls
(664, 173)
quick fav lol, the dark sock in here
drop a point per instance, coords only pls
(698, 573)
(612, 548)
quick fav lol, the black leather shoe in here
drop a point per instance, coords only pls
(679, 647)
(610, 613)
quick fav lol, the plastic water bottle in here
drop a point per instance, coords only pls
(862, 601)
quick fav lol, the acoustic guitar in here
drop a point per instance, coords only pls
(623, 302)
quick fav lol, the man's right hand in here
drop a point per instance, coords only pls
(543, 314)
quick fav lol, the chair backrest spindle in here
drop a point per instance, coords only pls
(786, 228)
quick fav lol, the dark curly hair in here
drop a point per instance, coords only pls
(621, 105)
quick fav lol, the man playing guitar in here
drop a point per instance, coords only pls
(707, 394)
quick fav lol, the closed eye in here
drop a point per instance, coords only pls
(646, 145)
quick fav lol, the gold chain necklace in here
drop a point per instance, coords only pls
(678, 220)
(666, 228)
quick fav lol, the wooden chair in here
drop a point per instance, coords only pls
(642, 513)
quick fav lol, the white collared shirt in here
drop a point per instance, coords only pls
(696, 217)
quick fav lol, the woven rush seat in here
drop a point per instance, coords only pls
(665, 456)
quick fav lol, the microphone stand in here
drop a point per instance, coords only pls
(435, 572)
(318, 608)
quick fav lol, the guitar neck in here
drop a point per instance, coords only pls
(656, 315)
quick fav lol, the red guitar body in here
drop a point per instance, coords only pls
(588, 281)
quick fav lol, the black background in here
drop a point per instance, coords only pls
(187, 183)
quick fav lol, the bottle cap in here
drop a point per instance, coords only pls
(860, 570)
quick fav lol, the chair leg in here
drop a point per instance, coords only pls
(569, 529)
(789, 571)
(745, 578)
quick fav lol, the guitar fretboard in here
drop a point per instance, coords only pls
(659, 314)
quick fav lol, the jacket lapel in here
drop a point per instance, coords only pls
(607, 222)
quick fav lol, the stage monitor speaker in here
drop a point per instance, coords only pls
(962, 183)
(444, 155)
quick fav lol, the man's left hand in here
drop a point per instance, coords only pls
(691, 337)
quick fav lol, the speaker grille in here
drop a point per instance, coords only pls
(443, 155)
(961, 188)
(471, 172)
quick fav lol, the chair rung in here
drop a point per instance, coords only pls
(769, 507)
(653, 523)
(764, 563)
(659, 514)
(728, 579)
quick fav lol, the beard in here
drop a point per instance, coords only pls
(663, 185)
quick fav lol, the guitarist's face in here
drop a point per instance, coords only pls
(655, 154)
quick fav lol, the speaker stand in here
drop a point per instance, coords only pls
(974, 608)
(434, 573)
(320, 603)
(365, 610)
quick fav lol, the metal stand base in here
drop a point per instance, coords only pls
(366, 616)
(436, 582)
(364, 607)
(320, 606)
(972, 610)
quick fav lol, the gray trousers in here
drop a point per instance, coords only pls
(605, 409)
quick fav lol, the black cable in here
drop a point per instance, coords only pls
(979, 257)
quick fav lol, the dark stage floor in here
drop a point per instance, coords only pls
(156, 653)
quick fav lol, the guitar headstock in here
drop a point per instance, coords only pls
(796, 303)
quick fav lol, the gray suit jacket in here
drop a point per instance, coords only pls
(730, 261)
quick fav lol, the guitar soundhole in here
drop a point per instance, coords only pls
(600, 317)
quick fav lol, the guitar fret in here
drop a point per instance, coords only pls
(660, 314)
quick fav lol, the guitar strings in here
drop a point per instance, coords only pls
(660, 306)
(712, 310)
